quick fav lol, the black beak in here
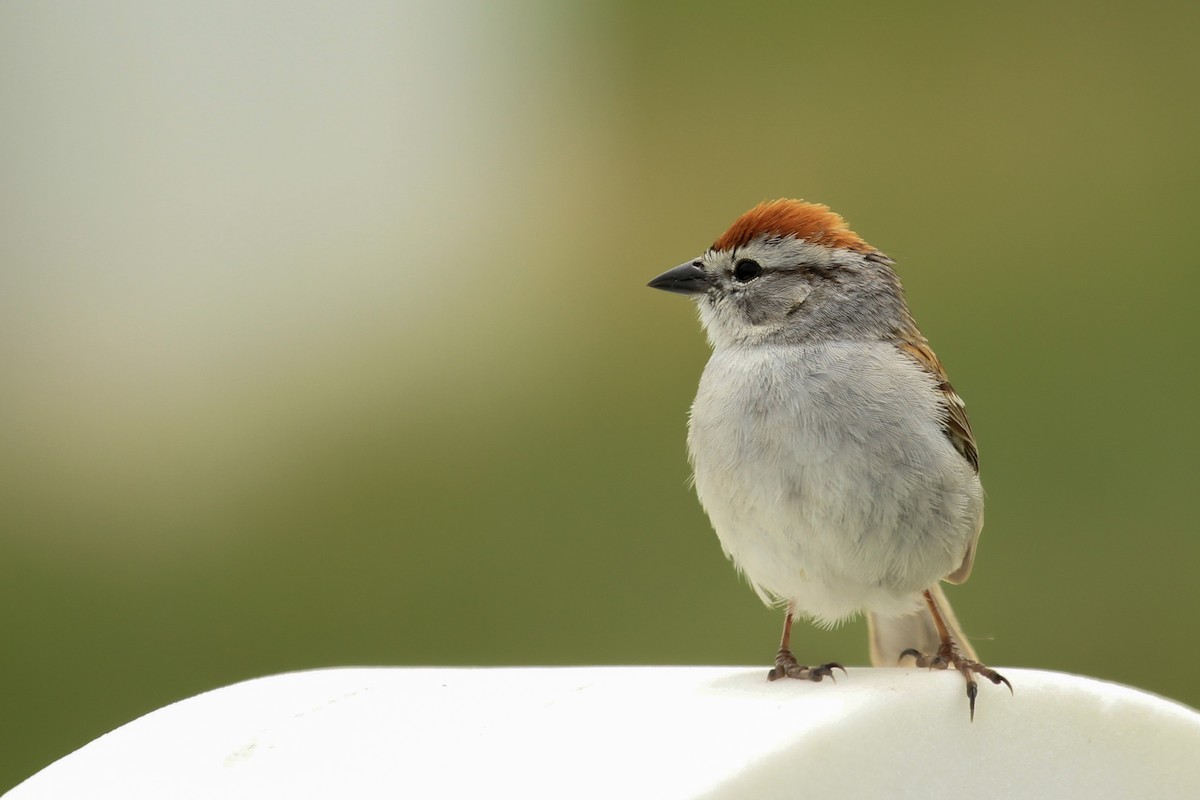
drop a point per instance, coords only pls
(687, 278)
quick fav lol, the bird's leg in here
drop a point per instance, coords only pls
(948, 655)
(786, 665)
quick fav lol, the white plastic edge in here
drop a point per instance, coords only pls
(654, 732)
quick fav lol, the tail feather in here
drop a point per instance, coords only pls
(891, 636)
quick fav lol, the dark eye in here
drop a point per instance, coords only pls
(746, 270)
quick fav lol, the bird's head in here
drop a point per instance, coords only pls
(791, 271)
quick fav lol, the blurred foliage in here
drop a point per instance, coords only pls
(325, 337)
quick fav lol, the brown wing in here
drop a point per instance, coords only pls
(956, 425)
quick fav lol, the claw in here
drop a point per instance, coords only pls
(994, 677)
(786, 666)
(827, 670)
(948, 656)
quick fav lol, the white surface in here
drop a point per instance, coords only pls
(655, 732)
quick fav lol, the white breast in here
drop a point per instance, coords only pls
(827, 475)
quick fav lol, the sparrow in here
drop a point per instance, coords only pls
(829, 450)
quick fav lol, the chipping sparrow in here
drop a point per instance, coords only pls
(832, 455)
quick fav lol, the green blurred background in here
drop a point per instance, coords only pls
(325, 339)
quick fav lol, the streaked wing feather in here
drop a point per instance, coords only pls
(956, 424)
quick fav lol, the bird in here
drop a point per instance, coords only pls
(832, 456)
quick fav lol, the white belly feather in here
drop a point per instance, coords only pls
(834, 492)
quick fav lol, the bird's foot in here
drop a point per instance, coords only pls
(948, 656)
(787, 667)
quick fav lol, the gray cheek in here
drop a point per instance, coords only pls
(758, 310)
(797, 297)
